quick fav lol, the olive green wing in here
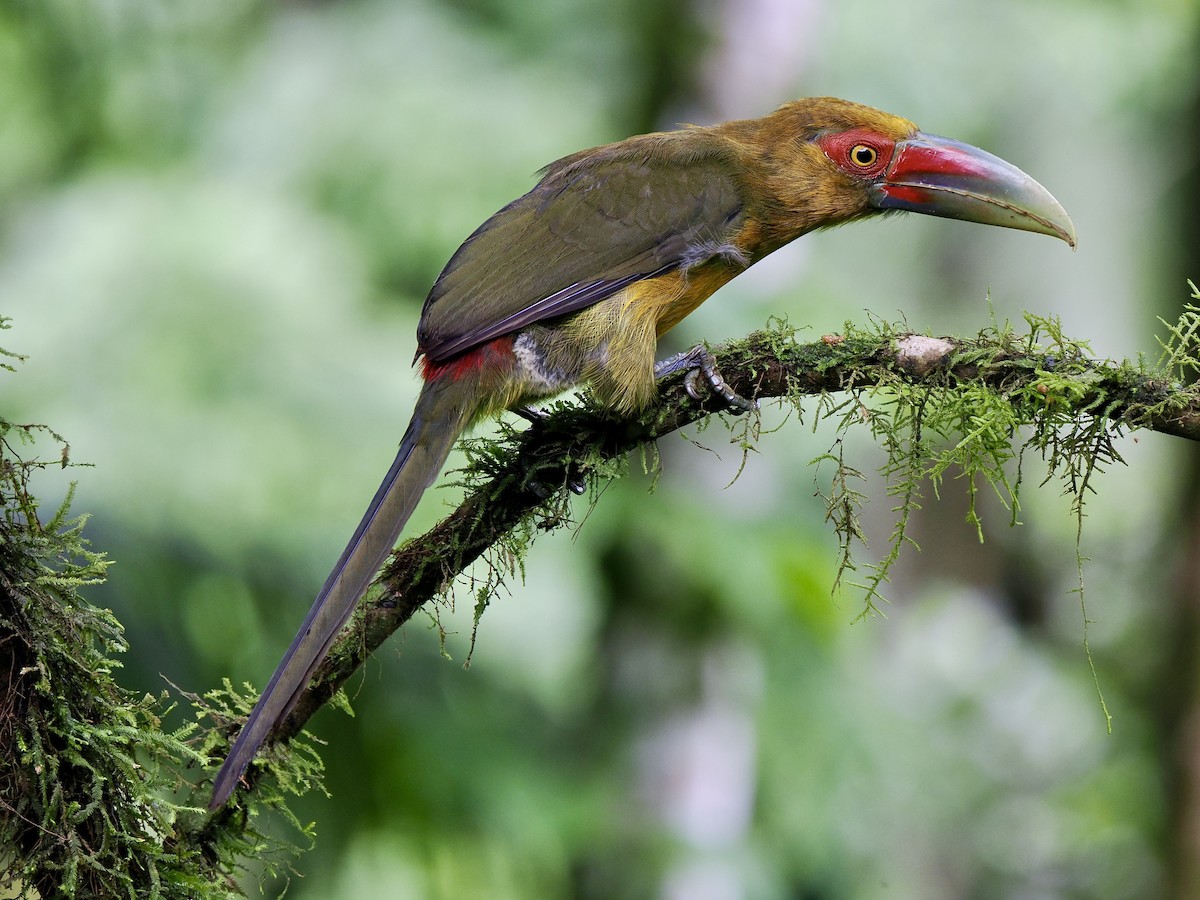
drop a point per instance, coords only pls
(592, 226)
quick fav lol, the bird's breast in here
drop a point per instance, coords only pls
(670, 299)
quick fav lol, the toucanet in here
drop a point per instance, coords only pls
(574, 283)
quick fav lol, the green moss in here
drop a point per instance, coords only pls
(97, 793)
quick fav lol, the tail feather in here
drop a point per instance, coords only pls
(423, 450)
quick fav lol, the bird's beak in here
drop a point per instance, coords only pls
(941, 177)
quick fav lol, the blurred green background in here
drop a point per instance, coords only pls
(218, 221)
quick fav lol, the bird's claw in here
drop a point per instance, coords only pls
(576, 483)
(539, 489)
(531, 414)
(574, 480)
(699, 361)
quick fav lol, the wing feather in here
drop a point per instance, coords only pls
(596, 223)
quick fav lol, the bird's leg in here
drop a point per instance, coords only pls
(700, 361)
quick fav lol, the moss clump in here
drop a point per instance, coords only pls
(95, 800)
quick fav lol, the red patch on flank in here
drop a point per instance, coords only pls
(496, 352)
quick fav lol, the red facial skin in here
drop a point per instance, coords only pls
(850, 152)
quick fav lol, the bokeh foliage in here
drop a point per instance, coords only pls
(217, 224)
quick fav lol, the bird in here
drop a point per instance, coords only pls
(573, 283)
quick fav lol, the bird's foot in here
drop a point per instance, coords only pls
(574, 481)
(531, 413)
(699, 361)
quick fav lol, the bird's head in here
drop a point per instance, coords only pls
(832, 161)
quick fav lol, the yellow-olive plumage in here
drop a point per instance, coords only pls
(574, 282)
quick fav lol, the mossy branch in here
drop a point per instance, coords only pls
(1072, 402)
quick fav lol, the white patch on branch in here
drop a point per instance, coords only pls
(919, 355)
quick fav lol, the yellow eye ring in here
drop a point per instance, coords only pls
(863, 156)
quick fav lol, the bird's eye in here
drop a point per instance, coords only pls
(863, 156)
(858, 152)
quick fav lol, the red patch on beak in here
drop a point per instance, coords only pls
(923, 160)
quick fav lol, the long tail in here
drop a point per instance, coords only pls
(439, 418)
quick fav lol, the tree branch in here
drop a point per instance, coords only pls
(573, 440)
